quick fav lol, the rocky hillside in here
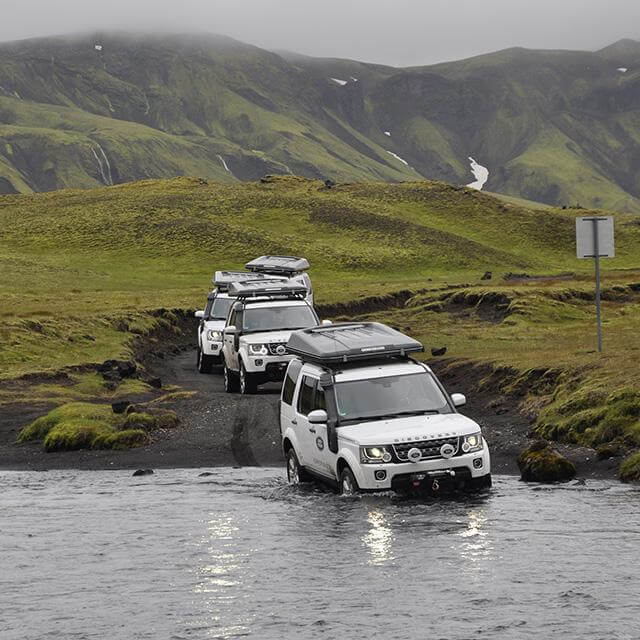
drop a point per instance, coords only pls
(553, 126)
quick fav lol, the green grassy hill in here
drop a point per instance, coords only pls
(558, 127)
(73, 257)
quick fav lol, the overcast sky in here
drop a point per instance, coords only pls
(398, 32)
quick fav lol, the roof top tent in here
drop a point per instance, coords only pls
(223, 279)
(349, 342)
(287, 265)
(281, 288)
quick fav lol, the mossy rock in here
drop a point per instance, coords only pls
(630, 468)
(150, 418)
(541, 463)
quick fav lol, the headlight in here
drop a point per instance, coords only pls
(214, 336)
(375, 455)
(258, 349)
(473, 442)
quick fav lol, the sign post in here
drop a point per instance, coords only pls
(594, 239)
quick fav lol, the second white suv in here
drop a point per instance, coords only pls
(258, 327)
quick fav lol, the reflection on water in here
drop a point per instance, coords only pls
(379, 538)
(94, 555)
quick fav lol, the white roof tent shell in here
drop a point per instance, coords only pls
(281, 288)
(349, 342)
(223, 279)
(284, 265)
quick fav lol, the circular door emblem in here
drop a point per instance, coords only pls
(320, 443)
(414, 454)
(281, 350)
(447, 450)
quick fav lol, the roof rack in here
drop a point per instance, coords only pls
(350, 341)
(278, 264)
(280, 288)
(223, 279)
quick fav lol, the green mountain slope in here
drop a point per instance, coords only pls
(559, 127)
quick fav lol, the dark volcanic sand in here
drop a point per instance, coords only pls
(220, 429)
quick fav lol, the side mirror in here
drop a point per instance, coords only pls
(458, 399)
(230, 330)
(326, 323)
(318, 416)
(199, 314)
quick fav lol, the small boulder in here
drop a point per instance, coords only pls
(143, 472)
(120, 406)
(487, 275)
(156, 383)
(541, 463)
(438, 351)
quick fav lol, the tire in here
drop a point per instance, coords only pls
(230, 379)
(205, 362)
(295, 473)
(247, 381)
(479, 484)
(348, 485)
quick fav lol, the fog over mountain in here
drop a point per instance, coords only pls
(393, 32)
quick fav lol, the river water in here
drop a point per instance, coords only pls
(240, 554)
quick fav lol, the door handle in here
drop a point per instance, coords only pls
(312, 429)
(294, 422)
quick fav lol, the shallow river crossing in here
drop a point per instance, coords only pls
(240, 554)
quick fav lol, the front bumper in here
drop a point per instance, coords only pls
(212, 348)
(404, 476)
(271, 367)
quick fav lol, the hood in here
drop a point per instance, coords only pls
(266, 337)
(214, 325)
(409, 429)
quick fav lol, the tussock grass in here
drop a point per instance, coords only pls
(83, 425)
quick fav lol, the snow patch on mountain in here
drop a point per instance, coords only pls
(397, 157)
(480, 173)
(338, 81)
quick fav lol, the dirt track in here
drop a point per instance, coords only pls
(220, 429)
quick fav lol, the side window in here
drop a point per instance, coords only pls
(232, 319)
(319, 401)
(290, 381)
(305, 399)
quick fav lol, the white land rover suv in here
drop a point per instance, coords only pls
(358, 413)
(214, 316)
(258, 327)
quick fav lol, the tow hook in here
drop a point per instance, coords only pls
(436, 485)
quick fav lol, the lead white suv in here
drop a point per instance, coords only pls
(358, 413)
(259, 325)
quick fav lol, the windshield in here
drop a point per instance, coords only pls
(274, 318)
(391, 396)
(220, 308)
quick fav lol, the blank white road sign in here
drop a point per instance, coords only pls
(585, 237)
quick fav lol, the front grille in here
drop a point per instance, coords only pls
(273, 348)
(429, 448)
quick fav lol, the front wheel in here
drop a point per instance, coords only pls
(247, 381)
(295, 473)
(205, 362)
(479, 484)
(348, 485)
(230, 379)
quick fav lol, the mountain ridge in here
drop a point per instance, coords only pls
(559, 127)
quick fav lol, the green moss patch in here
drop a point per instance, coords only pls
(630, 469)
(81, 425)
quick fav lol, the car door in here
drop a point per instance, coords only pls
(288, 399)
(313, 437)
(230, 354)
